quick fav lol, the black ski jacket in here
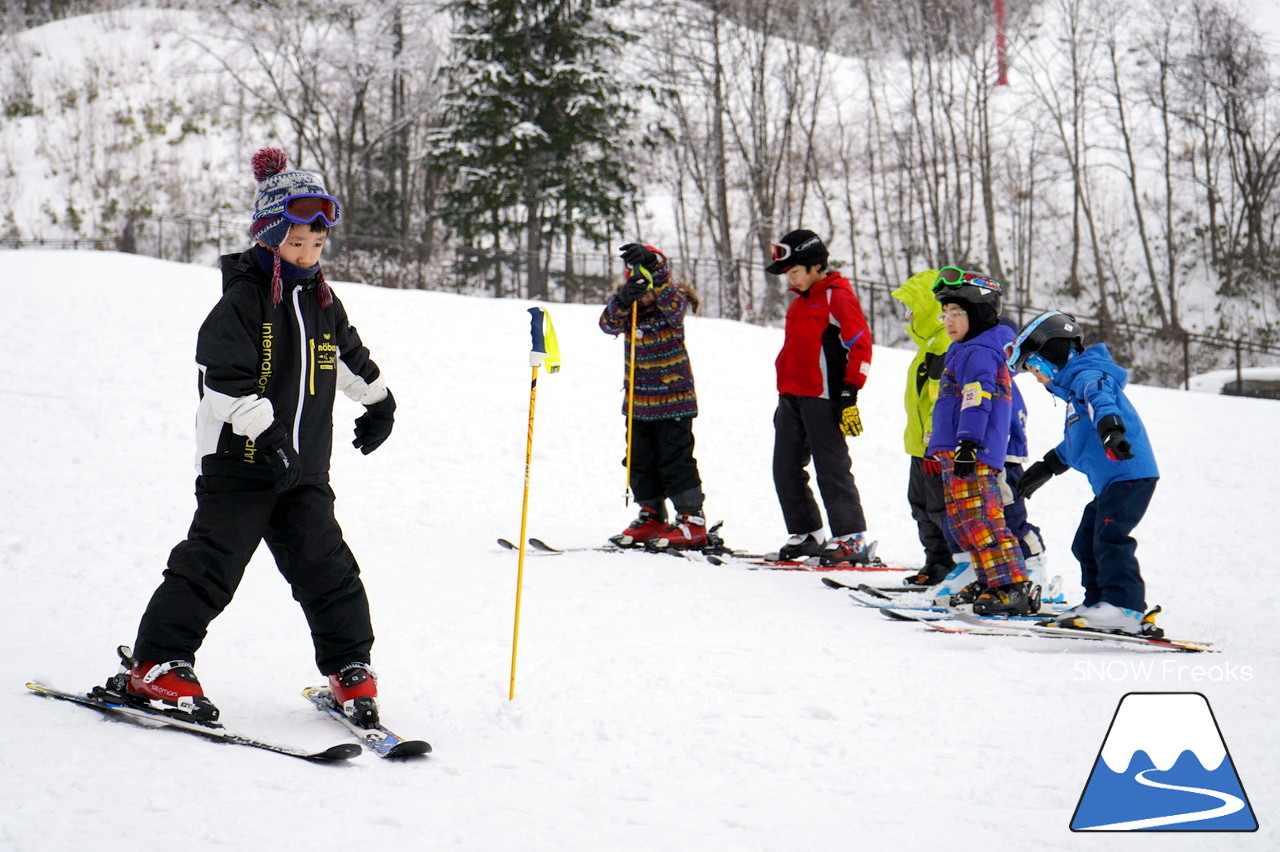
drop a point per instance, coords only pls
(260, 362)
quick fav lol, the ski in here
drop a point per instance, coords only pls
(116, 705)
(967, 624)
(756, 561)
(378, 739)
(945, 614)
(902, 604)
(887, 593)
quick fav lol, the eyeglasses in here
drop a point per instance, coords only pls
(953, 315)
(306, 207)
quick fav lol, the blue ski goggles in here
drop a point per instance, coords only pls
(306, 207)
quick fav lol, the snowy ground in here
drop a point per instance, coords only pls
(659, 702)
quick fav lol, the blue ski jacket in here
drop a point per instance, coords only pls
(1093, 386)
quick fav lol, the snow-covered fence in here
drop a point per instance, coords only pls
(739, 290)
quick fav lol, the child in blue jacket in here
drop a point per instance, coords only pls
(1105, 439)
(971, 422)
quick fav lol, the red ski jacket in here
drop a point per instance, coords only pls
(827, 342)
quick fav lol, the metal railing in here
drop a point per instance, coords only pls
(1163, 357)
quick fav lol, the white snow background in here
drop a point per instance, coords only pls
(660, 703)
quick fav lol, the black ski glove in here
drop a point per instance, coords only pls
(847, 412)
(1111, 431)
(373, 427)
(635, 254)
(278, 452)
(1038, 474)
(966, 461)
(632, 291)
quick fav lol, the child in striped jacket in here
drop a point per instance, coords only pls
(662, 463)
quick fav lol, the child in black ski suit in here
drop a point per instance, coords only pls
(272, 354)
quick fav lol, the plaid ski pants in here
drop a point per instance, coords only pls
(975, 518)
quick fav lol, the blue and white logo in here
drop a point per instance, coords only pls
(1164, 767)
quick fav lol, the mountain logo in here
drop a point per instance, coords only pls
(1164, 766)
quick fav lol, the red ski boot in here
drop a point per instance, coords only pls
(648, 525)
(172, 684)
(689, 532)
(355, 690)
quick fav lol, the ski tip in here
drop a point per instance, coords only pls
(875, 593)
(502, 542)
(539, 544)
(832, 584)
(410, 748)
(335, 754)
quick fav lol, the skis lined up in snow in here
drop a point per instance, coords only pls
(716, 555)
(378, 739)
(968, 624)
(114, 704)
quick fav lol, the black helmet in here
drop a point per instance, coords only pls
(1040, 337)
(954, 284)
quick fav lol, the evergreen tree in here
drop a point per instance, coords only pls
(534, 141)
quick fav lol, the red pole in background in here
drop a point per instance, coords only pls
(1002, 66)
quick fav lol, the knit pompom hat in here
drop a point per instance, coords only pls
(269, 227)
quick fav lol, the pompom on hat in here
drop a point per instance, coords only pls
(270, 227)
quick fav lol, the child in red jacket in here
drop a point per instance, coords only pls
(825, 356)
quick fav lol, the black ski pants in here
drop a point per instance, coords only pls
(929, 508)
(233, 515)
(806, 427)
(663, 466)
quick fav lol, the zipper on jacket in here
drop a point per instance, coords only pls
(302, 366)
(311, 380)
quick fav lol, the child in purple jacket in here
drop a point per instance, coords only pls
(971, 423)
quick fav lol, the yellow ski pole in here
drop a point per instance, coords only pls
(631, 405)
(631, 383)
(545, 349)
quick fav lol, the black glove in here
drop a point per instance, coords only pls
(373, 427)
(635, 254)
(966, 460)
(846, 405)
(632, 290)
(1111, 431)
(278, 452)
(1038, 474)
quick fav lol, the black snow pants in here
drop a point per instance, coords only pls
(807, 427)
(663, 466)
(233, 515)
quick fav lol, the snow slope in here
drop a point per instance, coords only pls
(659, 702)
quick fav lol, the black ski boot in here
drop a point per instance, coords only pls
(930, 575)
(968, 594)
(1014, 599)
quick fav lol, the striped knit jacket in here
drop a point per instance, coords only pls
(664, 376)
